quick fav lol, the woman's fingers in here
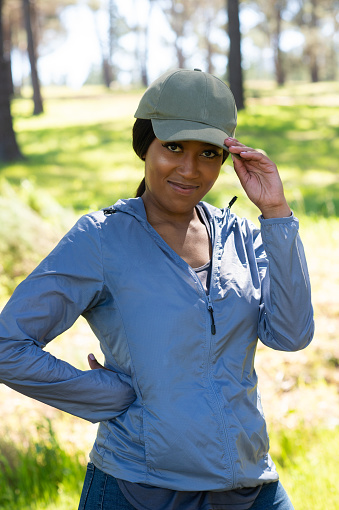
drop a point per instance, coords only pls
(238, 149)
(93, 363)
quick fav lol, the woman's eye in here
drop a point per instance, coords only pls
(173, 147)
(210, 154)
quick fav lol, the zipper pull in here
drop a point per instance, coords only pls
(210, 309)
(232, 202)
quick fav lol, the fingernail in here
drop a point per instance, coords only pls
(91, 356)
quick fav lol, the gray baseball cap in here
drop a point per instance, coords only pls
(189, 105)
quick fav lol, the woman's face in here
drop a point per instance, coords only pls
(179, 174)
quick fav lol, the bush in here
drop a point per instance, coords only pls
(30, 225)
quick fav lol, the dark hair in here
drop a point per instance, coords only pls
(142, 136)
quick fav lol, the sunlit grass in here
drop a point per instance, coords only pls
(308, 466)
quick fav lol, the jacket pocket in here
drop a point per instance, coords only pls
(183, 437)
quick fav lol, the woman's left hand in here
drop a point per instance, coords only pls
(260, 179)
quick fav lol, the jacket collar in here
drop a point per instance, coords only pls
(135, 207)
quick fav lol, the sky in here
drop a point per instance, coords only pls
(73, 59)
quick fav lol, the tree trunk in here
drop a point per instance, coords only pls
(234, 58)
(107, 72)
(314, 67)
(144, 55)
(181, 59)
(37, 99)
(209, 45)
(9, 149)
(278, 60)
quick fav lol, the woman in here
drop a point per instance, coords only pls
(177, 292)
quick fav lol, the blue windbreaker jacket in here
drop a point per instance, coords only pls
(182, 409)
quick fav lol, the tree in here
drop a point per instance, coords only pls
(208, 22)
(272, 27)
(141, 30)
(179, 14)
(28, 10)
(32, 29)
(234, 58)
(310, 17)
(109, 37)
(9, 149)
(276, 37)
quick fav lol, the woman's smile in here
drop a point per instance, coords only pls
(184, 189)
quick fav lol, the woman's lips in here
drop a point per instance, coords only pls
(183, 189)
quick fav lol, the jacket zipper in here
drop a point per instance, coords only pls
(209, 302)
(210, 309)
(213, 331)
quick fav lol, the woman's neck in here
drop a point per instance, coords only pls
(158, 216)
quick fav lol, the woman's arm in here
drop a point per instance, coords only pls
(68, 282)
(286, 313)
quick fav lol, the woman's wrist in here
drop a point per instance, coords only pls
(281, 211)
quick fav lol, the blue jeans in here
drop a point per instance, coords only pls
(101, 492)
(272, 497)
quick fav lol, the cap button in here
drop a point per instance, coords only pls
(196, 69)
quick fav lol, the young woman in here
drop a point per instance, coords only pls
(178, 293)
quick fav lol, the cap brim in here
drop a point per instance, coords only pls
(170, 130)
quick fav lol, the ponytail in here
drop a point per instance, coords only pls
(143, 135)
(141, 189)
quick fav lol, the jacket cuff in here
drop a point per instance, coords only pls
(271, 221)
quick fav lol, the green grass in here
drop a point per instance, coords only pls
(308, 466)
(37, 473)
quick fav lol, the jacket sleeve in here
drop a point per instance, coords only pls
(286, 314)
(67, 283)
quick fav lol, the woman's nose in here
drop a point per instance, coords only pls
(188, 166)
